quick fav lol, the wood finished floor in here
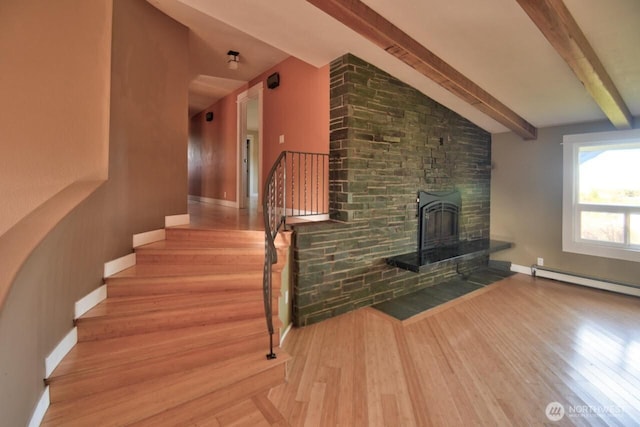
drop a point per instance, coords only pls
(496, 359)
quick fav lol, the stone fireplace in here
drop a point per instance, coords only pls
(388, 140)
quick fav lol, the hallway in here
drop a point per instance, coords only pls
(207, 215)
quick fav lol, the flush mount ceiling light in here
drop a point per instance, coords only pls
(232, 60)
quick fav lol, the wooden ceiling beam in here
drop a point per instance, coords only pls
(373, 26)
(557, 24)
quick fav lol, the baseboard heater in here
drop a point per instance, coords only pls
(563, 276)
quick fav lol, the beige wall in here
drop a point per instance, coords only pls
(54, 103)
(147, 178)
(149, 123)
(526, 204)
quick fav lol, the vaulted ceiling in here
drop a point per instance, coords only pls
(508, 64)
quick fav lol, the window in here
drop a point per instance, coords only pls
(601, 194)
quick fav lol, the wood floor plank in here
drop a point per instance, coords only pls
(498, 358)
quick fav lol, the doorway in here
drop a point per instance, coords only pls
(249, 147)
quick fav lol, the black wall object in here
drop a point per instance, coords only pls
(273, 81)
(209, 116)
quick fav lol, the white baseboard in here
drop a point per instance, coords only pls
(175, 220)
(148, 237)
(521, 269)
(577, 280)
(210, 201)
(119, 264)
(285, 333)
(40, 409)
(61, 350)
(90, 300)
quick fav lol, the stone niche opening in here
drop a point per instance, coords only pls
(437, 219)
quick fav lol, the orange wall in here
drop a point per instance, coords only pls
(212, 151)
(297, 109)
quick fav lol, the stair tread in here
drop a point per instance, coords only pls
(140, 400)
(137, 305)
(186, 270)
(109, 352)
(189, 247)
(150, 271)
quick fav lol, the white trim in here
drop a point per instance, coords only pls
(40, 409)
(60, 351)
(255, 91)
(576, 280)
(119, 264)
(571, 208)
(175, 220)
(90, 300)
(521, 269)
(584, 281)
(208, 200)
(148, 237)
(285, 333)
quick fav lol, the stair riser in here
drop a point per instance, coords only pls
(215, 235)
(249, 259)
(110, 327)
(140, 287)
(87, 383)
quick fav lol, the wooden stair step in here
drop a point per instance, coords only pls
(122, 286)
(206, 244)
(200, 234)
(121, 321)
(241, 376)
(103, 378)
(230, 236)
(169, 270)
(89, 355)
(138, 305)
(159, 253)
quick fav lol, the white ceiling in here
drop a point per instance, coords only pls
(491, 42)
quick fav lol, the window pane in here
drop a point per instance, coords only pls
(602, 226)
(635, 229)
(609, 175)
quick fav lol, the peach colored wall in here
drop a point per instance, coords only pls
(212, 148)
(54, 103)
(297, 109)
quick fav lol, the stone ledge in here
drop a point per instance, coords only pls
(432, 258)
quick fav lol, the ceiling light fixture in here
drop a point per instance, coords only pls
(232, 61)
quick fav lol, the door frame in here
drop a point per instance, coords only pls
(254, 92)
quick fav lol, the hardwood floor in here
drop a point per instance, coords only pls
(498, 358)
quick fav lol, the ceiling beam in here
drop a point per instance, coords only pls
(373, 26)
(557, 24)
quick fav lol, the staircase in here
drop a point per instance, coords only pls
(180, 339)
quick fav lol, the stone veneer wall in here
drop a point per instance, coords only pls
(387, 142)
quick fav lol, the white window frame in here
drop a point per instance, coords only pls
(571, 208)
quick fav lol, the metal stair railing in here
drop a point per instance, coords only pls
(303, 177)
